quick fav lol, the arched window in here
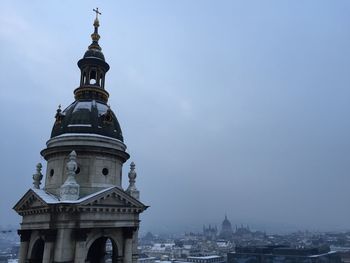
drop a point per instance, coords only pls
(103, 249)
(38, 251)
(93, 79)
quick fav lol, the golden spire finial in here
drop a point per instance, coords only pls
(95, 36)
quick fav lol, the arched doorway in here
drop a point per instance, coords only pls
(103, 249)
(38, 251)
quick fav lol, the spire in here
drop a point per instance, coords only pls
(95, 36)
(132, 190)
(93, 69)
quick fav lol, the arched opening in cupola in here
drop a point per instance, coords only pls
(93, 77)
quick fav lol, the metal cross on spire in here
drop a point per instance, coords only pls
(95, 36)
(97, 12)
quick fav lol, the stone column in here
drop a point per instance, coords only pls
(65, 246)
(135, 254)
(23, 250)
(128, 238)
(80, 236)
(127, 250)
(50, 238)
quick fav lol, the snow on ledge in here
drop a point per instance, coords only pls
(53, 199)
(86, 135)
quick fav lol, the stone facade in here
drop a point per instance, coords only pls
(94, 154)
(68, 229)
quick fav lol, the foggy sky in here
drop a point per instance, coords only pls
(237, 107)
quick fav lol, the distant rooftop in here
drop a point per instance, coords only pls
(283, 250)
(205, 257)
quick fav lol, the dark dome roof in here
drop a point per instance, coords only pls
(226, 223)
(87, 116)
(94, 53)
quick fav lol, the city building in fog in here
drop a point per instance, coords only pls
(146, 259)
(210, 233)
(226, 230)
(277, 254)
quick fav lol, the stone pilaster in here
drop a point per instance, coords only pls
(127, 250)
(64, 246)
(23, 251)
(135, 254)
(50, 238)
(128, 233)
(80, 236)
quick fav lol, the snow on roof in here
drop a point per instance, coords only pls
(53, 199)
(324, 254)
(87, 135)
(206, 257)
(47, 197)
(79, 125)
(222, 244)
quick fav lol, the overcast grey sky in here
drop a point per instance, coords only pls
(237, 107)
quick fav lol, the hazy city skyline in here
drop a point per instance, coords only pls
(236, 107)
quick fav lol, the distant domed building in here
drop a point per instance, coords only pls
(226, 230)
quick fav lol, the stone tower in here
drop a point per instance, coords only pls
(82, 208)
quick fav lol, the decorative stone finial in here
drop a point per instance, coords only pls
(108, 117)
(72, 164)
(37, 176)
(70, 189)
(132, 190)
(59, 115)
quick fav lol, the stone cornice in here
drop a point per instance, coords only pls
(71, 208)
(112, 200)
(85, 149)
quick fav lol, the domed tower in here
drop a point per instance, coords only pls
(82, 204)
(226, 230)
(89, 127)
